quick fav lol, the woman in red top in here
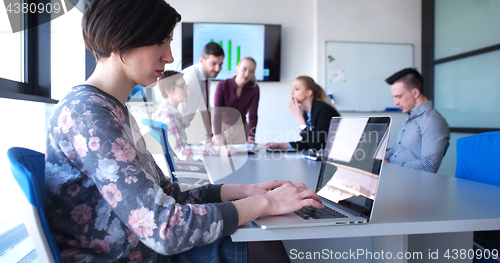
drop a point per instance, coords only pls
(234, 98)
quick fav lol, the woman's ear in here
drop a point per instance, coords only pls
(309, 93)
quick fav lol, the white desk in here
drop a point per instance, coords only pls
(409, 203)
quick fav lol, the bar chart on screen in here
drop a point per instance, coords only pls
(237, 41)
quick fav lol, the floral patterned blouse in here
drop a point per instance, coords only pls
(106, 198)
(177, 137)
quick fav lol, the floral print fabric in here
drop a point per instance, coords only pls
(107, 200)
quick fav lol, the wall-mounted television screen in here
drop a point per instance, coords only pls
(260, 41)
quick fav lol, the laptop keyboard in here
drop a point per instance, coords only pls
(316, 213)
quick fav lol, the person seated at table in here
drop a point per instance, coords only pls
(174, 90)
(312, 110)
(422, 137)
(234, 98)
(106, 198)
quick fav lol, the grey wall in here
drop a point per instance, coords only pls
(306, 25)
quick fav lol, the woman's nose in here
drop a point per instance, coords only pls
(167, 57)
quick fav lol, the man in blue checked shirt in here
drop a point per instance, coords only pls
(423, 136)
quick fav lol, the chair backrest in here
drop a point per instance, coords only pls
(28, 168)
(136, 89)
(446, 148)
(159, 133)
(477, 158)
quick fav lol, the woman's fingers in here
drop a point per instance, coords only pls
(292, 197)
(312, 202)
(309, 194)
(272, 184)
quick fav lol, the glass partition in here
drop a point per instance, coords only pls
(463, 26)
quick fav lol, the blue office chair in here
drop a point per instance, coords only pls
(159, 133)
(446, 148)
(28, 168)
(477, 160)
(137, 89)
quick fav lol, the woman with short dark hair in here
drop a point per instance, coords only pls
(106, 198)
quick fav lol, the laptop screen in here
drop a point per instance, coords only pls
(352, 161)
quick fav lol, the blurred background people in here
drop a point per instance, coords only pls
(423, 136)
(312, 109)
(174, 90)
(234, 99)
(198, 77)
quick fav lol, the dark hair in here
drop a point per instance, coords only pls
(168, 80)
(118, 26)
(212, 48)
(410, 77)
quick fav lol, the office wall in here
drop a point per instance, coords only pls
(306, 25)
(383, 21)
(297, 57)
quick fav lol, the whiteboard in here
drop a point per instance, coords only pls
(355, 73)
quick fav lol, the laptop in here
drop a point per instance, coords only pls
(348, 178)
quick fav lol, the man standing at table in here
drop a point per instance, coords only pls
(423, 136)
(198, 78)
